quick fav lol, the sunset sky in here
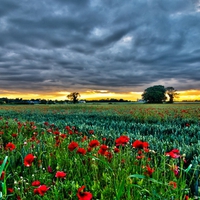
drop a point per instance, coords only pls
(99, 48)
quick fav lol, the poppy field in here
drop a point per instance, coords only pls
(100, 151)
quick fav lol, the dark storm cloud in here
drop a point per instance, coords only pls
(56, 45)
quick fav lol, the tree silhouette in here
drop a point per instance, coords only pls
(172, 93)
(155, 94)
(74, 96)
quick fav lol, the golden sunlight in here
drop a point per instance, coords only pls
(189, 95)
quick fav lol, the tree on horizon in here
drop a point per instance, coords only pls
(157, 94)
(172, 93)
(154, 94)
(74, 96)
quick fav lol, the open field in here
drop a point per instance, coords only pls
(118, 151)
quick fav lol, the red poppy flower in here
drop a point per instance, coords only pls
(2, 175)
(175, 169)
(10, 146)
(10, 190)
(91, 131)
(35, 183)
(173, 184)
(36, 191)
(14, 135)
(60, 174)
(138, 144)
(187, 124)
(175, 153)
(122, 140)
(81, 151)
(41, 190)
(73, 145)
(67, 127)
(94, 143)
(103, 149)
(186, 197)
(140, 157)
(116, 150)
(56, 133)
(108, 155)
(28, 160)
(89, 149)
(84, 138)
(83, 195)
(46, 123)
(63, 136)
(149, 171)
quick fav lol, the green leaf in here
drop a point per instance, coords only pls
(188, 169)
(136, 176)
(3, 165)
(155, 181)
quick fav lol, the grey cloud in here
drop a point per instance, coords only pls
(118, 45)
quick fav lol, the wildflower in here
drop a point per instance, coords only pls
(94, 143)
(58, 143)
(186, 197)
(67, 127)
(83, 195)
(116, 150)
(89, 149)
(10, 190)
(60, 174)
(10, 146)
(28, 160)
(56, 133)
(36, 191)
(49, 169)
(108, 155)
(173, 184)
(138, 144)
(140, 157)
(46, 123)
(149, 171)
(91, 131)
(174, 168)
(122, 140)
(175, 153)
(73, 145)
(35, 183)
(84, 138)
(14, 135)
(63, 136)
(41, 190)
(2, 175)
(103, 149)
(81, 151)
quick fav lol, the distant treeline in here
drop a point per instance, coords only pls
(6, 100)
(19, 101)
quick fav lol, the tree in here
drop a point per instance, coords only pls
(155, 94)
(172, 93)
(74, 96)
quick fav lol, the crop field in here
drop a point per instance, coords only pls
(121, 151)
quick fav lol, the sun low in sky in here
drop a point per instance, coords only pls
(101, 49)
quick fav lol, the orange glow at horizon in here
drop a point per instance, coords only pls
(189, 95)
